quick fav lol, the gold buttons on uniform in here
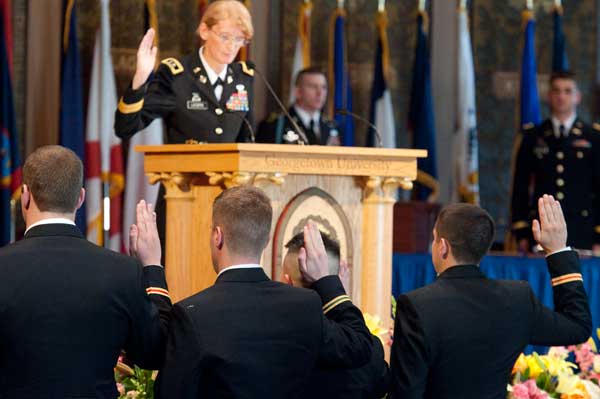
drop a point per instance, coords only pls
(560, 182)
(219, 130)
(560, 196)
(585, 213)
(560, 155)
(560, 168)
(219, 111)
(579, 154)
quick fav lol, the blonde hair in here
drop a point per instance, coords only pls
(229, 9)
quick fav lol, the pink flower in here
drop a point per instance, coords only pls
(520, 391)
(120, 388)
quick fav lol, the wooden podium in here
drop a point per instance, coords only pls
(349, 191)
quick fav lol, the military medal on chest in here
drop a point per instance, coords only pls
(238, 100)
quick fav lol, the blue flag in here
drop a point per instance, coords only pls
(530, 102)
(560, 62)
(72, 133)
(421, 116)
(10, 163)
(342, 92)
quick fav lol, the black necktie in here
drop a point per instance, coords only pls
(561, 131)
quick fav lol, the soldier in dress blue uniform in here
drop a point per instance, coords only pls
(561, 157)
(307, 112)
(203, 97)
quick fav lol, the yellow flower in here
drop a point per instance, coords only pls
(520, 365)
(557, 366)
(571, 387)
(535, 368)
(592, 344)
(374, 325)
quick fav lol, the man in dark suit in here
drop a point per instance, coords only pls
(248, 336)
(68, 307)
(367, 382)
(307, 111)
(561, 156)
(460, 336)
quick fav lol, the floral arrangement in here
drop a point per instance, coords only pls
(554, 376)
(134, 382)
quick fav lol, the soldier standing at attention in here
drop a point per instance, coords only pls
(560, 157)
(203, 97)
(307, 111)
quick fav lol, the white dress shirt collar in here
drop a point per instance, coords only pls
(51, 221)
(568, 124)
(212, 75)
(306, 117)
(243, 266)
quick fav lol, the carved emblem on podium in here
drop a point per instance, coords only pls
(233, 179)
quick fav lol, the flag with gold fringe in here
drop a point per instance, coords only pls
(466, 157)
(104, 160)
(560, 61)
(339, 77)
(420, 115)
(72, 134)
(10, 157)
(382, 111)
(301, 58)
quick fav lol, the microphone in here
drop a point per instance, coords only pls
(345, 112)
(304, 139)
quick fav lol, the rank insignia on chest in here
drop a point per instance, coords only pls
(238, 100)
(196, 103)
(581, 143)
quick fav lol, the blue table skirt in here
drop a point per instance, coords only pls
(416, 270)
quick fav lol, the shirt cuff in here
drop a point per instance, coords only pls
(560, 250)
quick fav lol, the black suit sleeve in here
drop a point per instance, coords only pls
(570, 323)
(346, 342)
(596, 187)
(380, 379)
(148, 318)
(138, 108)
(180, 375)
(409, 357)
(520, 204)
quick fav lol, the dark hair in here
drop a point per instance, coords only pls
(307, 71)
(244, 213)
(468, 229)
(54, 175)
(332, 247)
(566, 75)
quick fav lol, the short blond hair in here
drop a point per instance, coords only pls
(234, 10)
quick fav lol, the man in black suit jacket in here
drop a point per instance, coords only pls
(307, 111)
(367, 382)
(460, 336)
(248, 336)
(68, 307)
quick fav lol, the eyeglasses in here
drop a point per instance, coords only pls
(236, 40)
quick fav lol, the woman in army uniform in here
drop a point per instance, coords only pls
(203, 97)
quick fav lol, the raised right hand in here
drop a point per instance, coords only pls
(312, 258)
(146, 59)
(551, 230)
(144, 243)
